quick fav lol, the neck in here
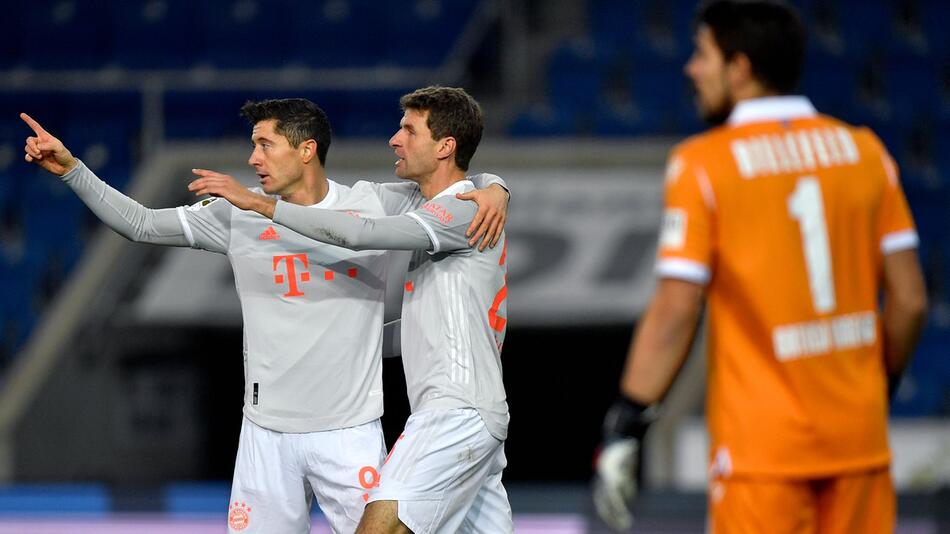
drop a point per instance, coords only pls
(751, 90)
(311, 189)
(437, 182)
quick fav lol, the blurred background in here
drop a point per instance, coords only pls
(121, 379)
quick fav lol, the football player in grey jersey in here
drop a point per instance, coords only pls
(444, 473)
(312, 316)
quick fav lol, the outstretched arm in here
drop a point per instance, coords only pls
(119, 212)
(355, 233)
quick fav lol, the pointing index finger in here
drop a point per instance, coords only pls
(33, 124)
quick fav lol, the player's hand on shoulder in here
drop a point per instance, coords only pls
(45, 150)
(615, 475)
(490, 219)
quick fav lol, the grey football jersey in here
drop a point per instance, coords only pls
(312, 313)
(454, 315)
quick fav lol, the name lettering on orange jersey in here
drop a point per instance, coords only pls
(794, 151)
(815, 338)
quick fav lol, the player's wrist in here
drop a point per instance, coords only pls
(628, 418)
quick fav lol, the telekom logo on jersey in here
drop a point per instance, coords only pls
(286, 267)
(290, 270)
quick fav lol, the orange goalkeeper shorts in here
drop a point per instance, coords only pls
(855, 502)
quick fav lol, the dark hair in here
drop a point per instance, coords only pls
(769, 32)
(452, 113)
(298, 119)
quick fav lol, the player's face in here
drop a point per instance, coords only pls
(707, 68)
(414, 146)
(277, 164)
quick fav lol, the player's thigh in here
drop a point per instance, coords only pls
(382, 517)
(861, 502)
(752, 506)
(490, 512)
(268, 493)
(437, 468)
(342, 466)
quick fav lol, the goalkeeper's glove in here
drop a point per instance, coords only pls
(615, 477)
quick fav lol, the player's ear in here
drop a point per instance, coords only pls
(308, 150)
(446, 149)
(739, 70)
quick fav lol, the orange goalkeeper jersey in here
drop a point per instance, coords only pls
(786, 215)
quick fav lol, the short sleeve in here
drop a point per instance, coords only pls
(207, 224)
(684, 250)
(895, 223)
(445, 220)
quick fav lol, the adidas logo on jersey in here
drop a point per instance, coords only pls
(269, 235)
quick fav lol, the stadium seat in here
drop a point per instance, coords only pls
(576, 77)
(247, 33)
(369, 113)
(934, 17)
(339, 33)
(66, 34)
(204, 115)
(421, 33)
(830, 81)
(12, 39)
(152, 34)
(544, 121)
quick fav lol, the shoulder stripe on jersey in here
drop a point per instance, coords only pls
(436, 246)
(705, 187)
(898, 241)
(689, 270)
(185, 226)
(889, 167)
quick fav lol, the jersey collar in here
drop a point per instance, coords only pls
(331, 197)
(458, 187)
(771, 108)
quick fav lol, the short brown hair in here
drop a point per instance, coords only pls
(452, 113)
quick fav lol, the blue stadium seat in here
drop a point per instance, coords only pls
(830, 81)
(420, 33)
(247, 33)
(625, 120)
(662, 90)
(646, 30)
(912, 84)
(544, 121)
(368, 113)
(576, 77)
(150, 34)
(934, 16)
(339, 33)
(200, 115)
(60, 34)
(13, 39)
(866, 25)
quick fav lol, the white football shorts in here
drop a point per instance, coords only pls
(276, 475)
(445, 472)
